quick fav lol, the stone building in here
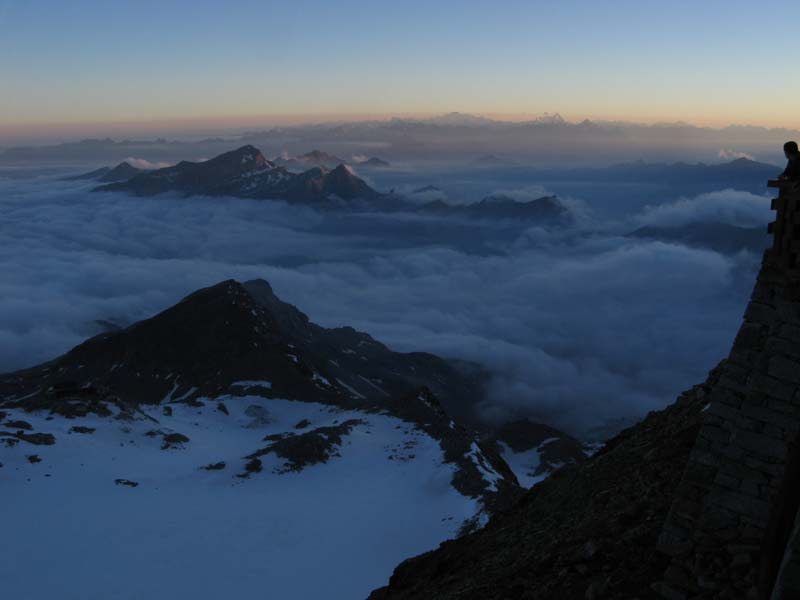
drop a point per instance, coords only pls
(732, 531)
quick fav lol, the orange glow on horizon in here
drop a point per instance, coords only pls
(233, 124)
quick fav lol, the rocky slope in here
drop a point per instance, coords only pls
(588, 531)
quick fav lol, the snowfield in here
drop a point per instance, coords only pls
(333, 530)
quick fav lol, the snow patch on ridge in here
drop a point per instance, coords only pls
(524, 464)
(484, 467)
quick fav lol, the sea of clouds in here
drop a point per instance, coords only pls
(585, 329)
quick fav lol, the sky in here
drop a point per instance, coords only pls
(92, 61)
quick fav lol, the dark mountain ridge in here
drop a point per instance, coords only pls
(246, 173)
(547, 210)
(231, 332)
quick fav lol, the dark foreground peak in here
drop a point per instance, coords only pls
(233, 332)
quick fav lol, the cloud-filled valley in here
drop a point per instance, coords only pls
(579, 328)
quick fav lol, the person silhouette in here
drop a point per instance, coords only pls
(792, 170)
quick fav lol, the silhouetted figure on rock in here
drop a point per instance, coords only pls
(792, 170)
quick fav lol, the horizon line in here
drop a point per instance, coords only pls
(322, 118)
(240, 124)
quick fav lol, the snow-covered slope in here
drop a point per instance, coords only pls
(333, 529)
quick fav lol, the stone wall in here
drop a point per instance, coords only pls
(726, 509)
(787, 581)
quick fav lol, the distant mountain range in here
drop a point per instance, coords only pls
(246, 173)
(548, 141)
(545, 210)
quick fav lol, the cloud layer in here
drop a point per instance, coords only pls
(730, 207)
(578, 329)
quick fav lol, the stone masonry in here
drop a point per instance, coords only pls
(728, 532)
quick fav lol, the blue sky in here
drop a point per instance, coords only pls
(90, 61)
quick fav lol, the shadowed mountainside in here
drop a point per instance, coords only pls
(588, 531)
